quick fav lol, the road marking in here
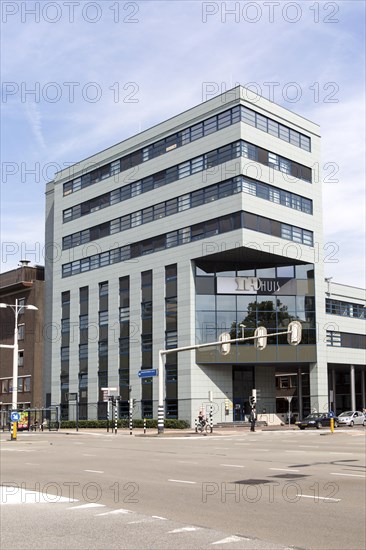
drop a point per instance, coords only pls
(89, 505)
(233, 538)
(32, 464)
(284, 470)
(87, 454)
(115, 512)
(341, 453)
(94, 471)
(309, 446)
(320, 498)
(15, 495)
(233, 465)
(184, 529)
(182, 481)
(159, 517)
(286, 451)
(350, 475)
(186, 462)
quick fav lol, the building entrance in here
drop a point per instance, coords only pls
(243, 383)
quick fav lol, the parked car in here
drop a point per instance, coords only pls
(316, 420)
(349, 418)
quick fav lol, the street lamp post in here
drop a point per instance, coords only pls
(16, 309)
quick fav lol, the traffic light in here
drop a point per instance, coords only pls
(225, 346)
(294, 333)
(261, 334)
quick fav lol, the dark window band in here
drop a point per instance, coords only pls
(209, 228)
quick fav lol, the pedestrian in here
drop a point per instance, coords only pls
(253, 418)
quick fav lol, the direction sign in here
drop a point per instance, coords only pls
(331, 414)
(15, 416)
(147, 373)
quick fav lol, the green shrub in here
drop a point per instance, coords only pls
(173, 424)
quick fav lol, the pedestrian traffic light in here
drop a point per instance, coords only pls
(294, 333)
(225, 346)
(261, 337)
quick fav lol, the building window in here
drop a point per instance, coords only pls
(103, 318)
(21, 332)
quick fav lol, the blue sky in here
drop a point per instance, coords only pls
(78, 77)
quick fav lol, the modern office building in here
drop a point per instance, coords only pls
(209, 222)
(25, 284)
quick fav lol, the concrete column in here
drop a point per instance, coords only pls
(363, 389)
(352, 387)
(318, 387)
(333, 383)
(299, 392)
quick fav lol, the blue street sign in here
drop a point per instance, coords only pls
(331, 414)
(15, 416)
(147, 373)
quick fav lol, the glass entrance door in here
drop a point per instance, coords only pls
(243, 383)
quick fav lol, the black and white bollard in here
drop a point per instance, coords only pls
(115, 416)
(160, 420)
(211, 419)
(145, 426)
(130, 417)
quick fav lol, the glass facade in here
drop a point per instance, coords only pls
(271, 297)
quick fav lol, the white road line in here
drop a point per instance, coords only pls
(182, 481)
(286, 451)
(340, 453)
(284, 470)
(186, 462)
(350, 475)
(94, 471)
(233, 538)
(115, 512)
(87, 454)
(309, 446)
(320, 498)
(184, 529)
(159, 517)
(233, 465)
(89, 505)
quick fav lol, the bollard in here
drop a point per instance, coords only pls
(195, 425)
(14, 429)
(211, 419)
(115, 417)
(144, 425)
(332, 425)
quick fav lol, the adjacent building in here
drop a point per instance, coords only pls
(22, 286)
(209, 222)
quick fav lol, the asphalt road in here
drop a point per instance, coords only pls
(244, 490)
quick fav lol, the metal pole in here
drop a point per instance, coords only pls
(130, 415)
(77, 412)
(161, 394)
(15, 371)
(108, 416)
(115, 415)
(211, 419)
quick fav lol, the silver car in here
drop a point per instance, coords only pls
(350, 418)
